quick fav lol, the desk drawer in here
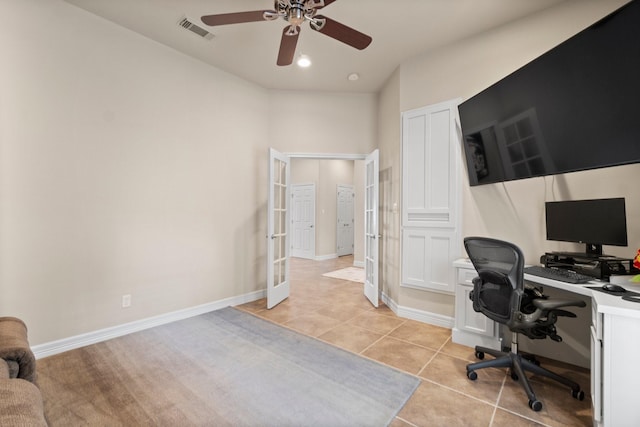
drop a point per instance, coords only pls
(466, 276)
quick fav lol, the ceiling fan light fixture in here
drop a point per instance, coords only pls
(270, 15)
(303, 61)
(317, 23)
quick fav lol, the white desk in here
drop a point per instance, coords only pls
(615, 346)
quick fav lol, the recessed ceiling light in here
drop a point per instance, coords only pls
(353, 77)
(304, 61)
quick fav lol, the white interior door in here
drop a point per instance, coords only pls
(345, 221)
(278, 284)
(371, 236)
(303, 218)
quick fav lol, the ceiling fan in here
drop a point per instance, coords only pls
(295, 12)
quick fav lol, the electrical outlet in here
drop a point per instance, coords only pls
(126, 300)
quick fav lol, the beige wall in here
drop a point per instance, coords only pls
(322, 122)
(124, 171)
(129, 168)
(513, 211)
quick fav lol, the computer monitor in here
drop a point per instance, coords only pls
(592, 222)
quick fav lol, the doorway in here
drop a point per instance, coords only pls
(338, 204)
(368, 227)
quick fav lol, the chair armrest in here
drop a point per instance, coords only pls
(543, 309)
(550, 304)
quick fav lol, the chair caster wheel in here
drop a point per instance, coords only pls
(514, 376)
(536, 405)
(480, 355)
(578, 394)
(472, 375)
(531, 358)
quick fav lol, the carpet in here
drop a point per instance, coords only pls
(224, 368)
(354, 274)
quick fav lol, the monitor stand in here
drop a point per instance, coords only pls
(593, 250)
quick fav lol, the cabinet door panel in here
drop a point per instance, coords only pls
(427, 258)
(430, 176)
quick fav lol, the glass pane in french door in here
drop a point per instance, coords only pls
(279, 222)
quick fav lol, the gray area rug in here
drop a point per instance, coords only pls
(222, 368)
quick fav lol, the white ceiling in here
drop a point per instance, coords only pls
(401, 29)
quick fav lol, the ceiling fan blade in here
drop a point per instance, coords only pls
(288, 45)
(234, 18)
(340, 32)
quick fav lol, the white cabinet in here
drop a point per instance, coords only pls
(614, 360)
(471, 328)
(431, 197)
(596, 364)
(614, 388)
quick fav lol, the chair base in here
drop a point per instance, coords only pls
(518, 365)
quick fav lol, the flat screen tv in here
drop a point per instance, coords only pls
(592, 222)
(574, 108)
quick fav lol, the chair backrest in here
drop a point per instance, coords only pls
(499, 287)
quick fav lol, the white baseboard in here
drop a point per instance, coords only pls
(426, 317)
(82, 340)
(390, 303)
(326, 257)
(358, 264)
(418, 315)
(66, 344)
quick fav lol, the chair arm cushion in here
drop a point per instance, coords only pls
(21, 404)
(15, 350)
(550, 304)
(5, 372)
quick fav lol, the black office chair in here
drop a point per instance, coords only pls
(499, 292)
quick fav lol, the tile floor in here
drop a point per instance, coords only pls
(336, 311)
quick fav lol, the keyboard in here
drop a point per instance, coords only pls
(559, 274)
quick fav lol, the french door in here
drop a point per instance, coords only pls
(371, 236)
(278, 214)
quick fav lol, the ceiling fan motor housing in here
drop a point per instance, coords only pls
(295, 15)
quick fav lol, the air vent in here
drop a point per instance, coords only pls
(188, 24)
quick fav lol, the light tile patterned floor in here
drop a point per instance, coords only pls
(337, 312)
